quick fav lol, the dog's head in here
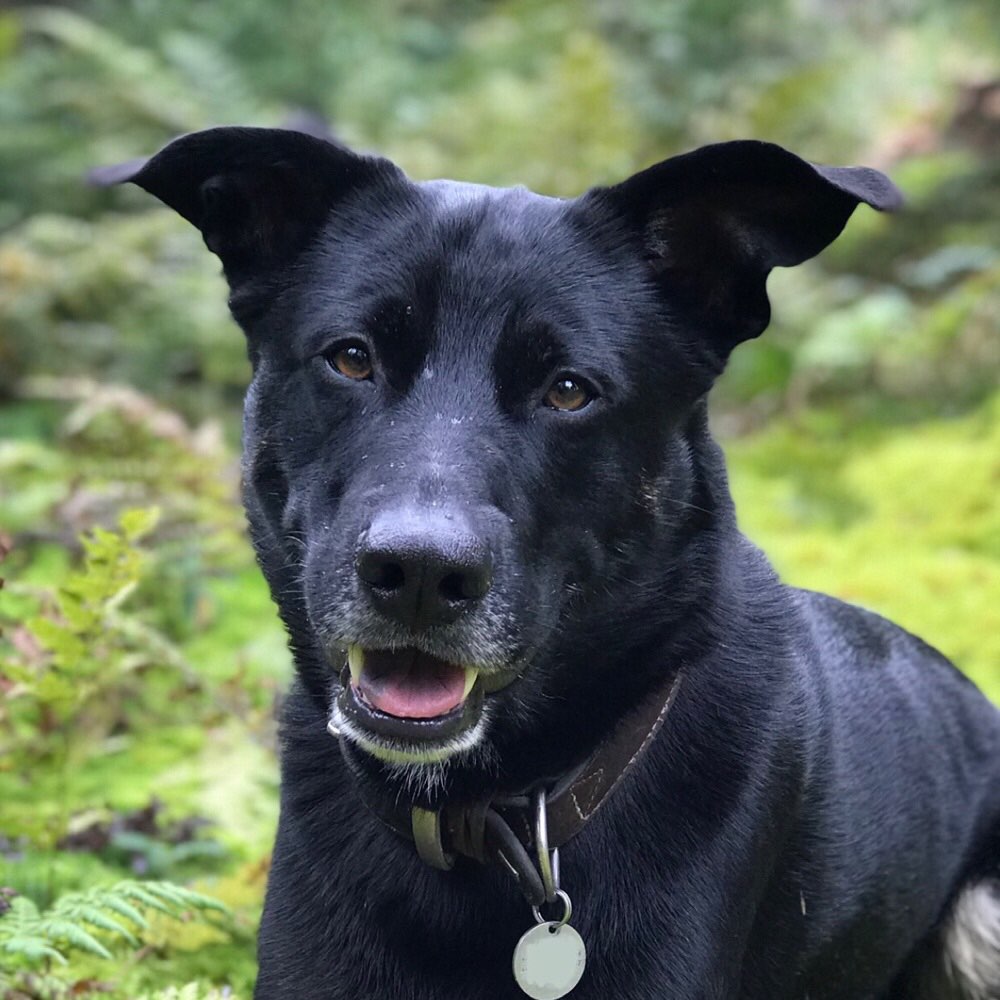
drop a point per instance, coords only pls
(476, 465)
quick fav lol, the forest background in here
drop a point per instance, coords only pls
(141, 660)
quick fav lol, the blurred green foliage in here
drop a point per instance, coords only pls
(139, 662)
(90, 921)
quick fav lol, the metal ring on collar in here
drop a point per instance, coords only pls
(550, 877)
(563, 897)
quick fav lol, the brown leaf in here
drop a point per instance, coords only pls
(82, 987)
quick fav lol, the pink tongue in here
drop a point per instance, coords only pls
(411, 685)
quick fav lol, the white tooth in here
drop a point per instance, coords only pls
(471, 673)
(356, 661)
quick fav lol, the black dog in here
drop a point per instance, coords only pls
(482, 489)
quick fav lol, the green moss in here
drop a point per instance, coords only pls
(903, 520)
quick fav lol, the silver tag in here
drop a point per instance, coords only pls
(549, 961)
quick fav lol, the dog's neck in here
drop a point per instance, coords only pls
(504, 831)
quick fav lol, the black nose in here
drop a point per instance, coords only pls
(423, 567)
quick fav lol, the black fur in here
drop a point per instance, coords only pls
(825, 783)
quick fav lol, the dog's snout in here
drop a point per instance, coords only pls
(423, 568)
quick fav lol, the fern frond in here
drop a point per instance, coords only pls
(80, 909)
(139, 893)
(76, 919)
(31, 947)
(116, 904)
(22, 935)
(176, 898)
(58, 928)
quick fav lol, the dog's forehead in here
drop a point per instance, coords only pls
(490, 225)
(449, 196)
(495, 241)
(445, 243)
(456, 272)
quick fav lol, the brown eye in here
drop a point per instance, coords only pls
(567, 393)
(352, 361)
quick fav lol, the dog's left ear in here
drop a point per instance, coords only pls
(258, 195)
(712, 223)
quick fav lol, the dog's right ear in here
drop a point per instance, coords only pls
(712, 223)
(258, 195)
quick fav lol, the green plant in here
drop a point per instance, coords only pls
(74, 632)
(67, 670)
(91, 922)
(85, 633)
(191, 991)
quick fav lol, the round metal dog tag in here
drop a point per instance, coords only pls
(549, 961)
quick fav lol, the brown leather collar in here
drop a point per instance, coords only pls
(501, 830)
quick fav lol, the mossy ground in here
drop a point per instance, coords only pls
(903, 520)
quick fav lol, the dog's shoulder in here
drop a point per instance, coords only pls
(855, 636)
(873, 669)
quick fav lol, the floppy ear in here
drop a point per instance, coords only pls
(712, 223)
(258, 195)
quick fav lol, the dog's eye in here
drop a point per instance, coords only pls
(568, 393)
(351, 360)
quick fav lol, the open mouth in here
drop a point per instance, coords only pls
(408, 695)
